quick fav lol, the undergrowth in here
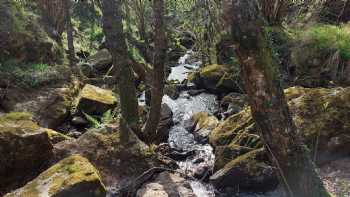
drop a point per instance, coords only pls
(328, 37)
(29, 75)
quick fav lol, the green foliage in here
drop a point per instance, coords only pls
(326, 37)
(94, 122)
(28, 75)
(96, 34)
(99, 122)
(135, 54)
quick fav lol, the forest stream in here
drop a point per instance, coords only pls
(200, 164)
(203, 98)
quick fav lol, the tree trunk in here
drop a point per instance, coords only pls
(268, 104)
(53, 16)
(116, 44)
(157, 84)
(70, 38)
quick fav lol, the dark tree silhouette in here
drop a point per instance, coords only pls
(116, 44)
(268, 104)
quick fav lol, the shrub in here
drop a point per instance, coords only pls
(328, 37)
(30, 75)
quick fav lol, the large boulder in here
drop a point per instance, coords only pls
(246, 173)
(74, 176)
(321, 116)
(201, 124)
(217, 78)
(99, 62)
(24, 148)
(164, 185)
(96, 101)
(50, 106)
(118, 161)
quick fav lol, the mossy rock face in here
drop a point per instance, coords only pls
(232, 104)
(96, 101)
(23, 38)
(50, 106)
(74, 176)
(201, 124)
(246, 173)
(117, 161)
(24, 147)
(235, 125)
(56, 137)
(217, 78)
(172, 91)
(321, 116)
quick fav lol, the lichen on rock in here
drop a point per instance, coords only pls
(321, 116)
(217, 78)
(96, 101)
(24, 147)
(73, 176)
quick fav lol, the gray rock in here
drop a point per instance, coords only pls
(165, 185)
(165, 123)
(246, 173)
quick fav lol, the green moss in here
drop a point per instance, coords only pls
(56, 137)
(230, 128)
(16, 116)
(65, 177)
(97, 94)
(213, 71)
(18, 123)
(320, 115)
(248, 161)
(328, 37)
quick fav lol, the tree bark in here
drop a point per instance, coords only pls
(70, 38)
(116, 44)
(157, 84)
(268, 104)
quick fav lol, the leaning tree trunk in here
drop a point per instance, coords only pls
(268, 104)
(157, 83)
(70, 38)
(116, 44)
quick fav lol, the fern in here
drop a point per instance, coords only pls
(107, 117)
(93, 121)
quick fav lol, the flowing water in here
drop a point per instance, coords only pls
(179, 138)
(201, 162)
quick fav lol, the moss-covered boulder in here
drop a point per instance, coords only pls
(23, 39)
(50, 106)
(96, 101)
(73, 176)
(201, 124)
(321, 116)
(24, 147)
(56, 137)
(217, 78)
(117, 161)
(232, 104)
(246, 173)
